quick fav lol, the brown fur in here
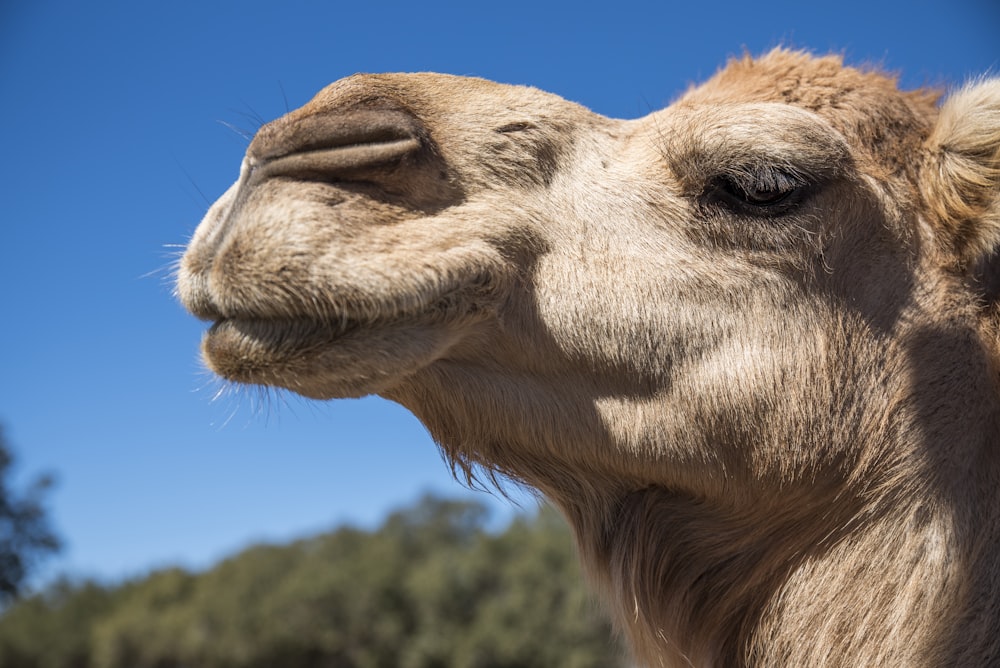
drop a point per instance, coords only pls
(748, 344)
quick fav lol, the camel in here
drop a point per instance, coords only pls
(749, 344)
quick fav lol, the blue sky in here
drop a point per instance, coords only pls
(114, 141)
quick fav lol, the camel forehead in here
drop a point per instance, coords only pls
(362, 88)
(432, 94)
(866, 107)
(797, 78)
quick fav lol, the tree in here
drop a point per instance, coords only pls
(432, 587)
(25, 535)
(53, 628)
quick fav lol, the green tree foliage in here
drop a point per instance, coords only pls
(53, 629)
(25, 536)
(431, 588)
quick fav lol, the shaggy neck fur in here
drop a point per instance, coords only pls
(895, 534)
(903, 549)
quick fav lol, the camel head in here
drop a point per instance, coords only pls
(764, 304)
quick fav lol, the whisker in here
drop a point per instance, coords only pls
(245, 134)
(251, 114)
(168, 272)
(165, 272)
(191, 180)
(264, 403)
(284, 97)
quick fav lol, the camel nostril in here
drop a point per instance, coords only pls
(337, 163)
(328, 143)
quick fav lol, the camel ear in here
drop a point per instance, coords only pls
(960, 179)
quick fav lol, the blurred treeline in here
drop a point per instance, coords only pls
(431, 588)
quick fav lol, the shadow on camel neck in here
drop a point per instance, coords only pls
(748, 344)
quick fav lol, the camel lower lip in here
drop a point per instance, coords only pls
(280, 333)
(257, 350)
(319, 359)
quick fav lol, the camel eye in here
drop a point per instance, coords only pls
(514, 127)
(759, 192)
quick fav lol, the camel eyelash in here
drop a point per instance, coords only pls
(758, 192)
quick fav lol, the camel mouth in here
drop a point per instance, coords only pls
(322, 360)
(294, 350)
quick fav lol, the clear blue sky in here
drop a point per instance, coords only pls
(113, 142)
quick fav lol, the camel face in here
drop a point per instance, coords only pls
(402, 233)
(393, 209)
(748, 344)
(371, 230)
